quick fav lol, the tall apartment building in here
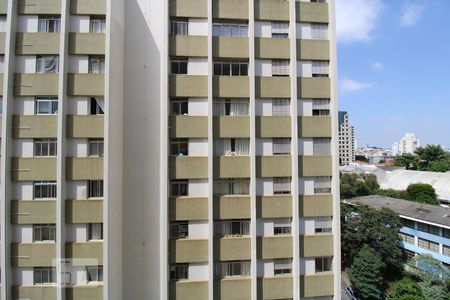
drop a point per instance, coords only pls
(347, 149)
(182, 149)
(407, 145)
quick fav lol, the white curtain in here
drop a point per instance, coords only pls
(242, 146)
(282, 185)
(319, 31)
(98, 26)
(281, 146)
(320, 67)
(47, 64)
(322, 182)
(322, 146)
(280, 27)
(321, 104)
(280, 107)
(219, 108)
(280, 67)
(100, 102)
(222, 147)
(238, 108)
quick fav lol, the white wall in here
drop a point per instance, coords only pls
(264, 147)
(307, 226)
(76, 232)
(78, 64)
(198, 188)
(303, 30)
(307, 266)
(306, 186)
(27, 23)
(198, 26)
(263, 107)
(78, 105)
(26, 64)
(198, 272)
(264, 186)
(304, 107)
(304, 68)
(23, 276)
(198, 66)
(24, 105)
(76, 189)
(23, 148)
(79, 23)
(305, 146)
(263, 67)
(22, 190)
(198, 147)
(23, 233)
(198, 106)
(198, 229)
(77, 147)
(263, 29)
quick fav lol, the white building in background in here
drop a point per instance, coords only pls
(408, 144)
(346, 140)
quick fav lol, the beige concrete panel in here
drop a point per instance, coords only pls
(3, 7)
(84, 211)
(232, 207)
(31, 169)
(188, 8)
(188, 250)
(188, 86)
(232, 167)
(231, 86)
(315, 126)
(26, 127)
(313, 50)
(273, 87)
(188, 290)
(314, 87)
(79, 126)
(188, 167)
(45, 7)
(188, 46)
(231, 127)
(273, 166)
(316, 205)
(34, 292)
(36, 84)
(86, 43)
(317, 245)
(315, 166)
(84, 292)
(279, 287)
(37, 43)
(312, 12)
(230, 9)
(188, 208)
(2, 41)
(1, 84)
(318, 285)
(233, 289)
(232, 248)
(230, 47)
(273, 10)
(33, 211)
(271, 247)
(272, 48)
(277, 206)
(273, 127)
(84, 168)
(88, 7)
(89, 253)
(32, 254)
(188, 127)
(86, 85)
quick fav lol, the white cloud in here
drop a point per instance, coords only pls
(350, 85)
(377, 65)
(411, 14)
(356, 19)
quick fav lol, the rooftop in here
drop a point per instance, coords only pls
(430, 213)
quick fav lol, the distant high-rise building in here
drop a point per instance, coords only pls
(407, 145)
(346, 140)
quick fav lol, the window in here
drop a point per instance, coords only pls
(429, 245)
(179, 27)
(322, 185)
(280, 67)
(320, 69)
(97, 106)
(231, 147)
(94, 274)
(179, 272)
(179, 66)
(323, 264)
(49, 24)
(3, 23)
(446, 250)
(281, 185)
(231, 187)
(44, 189)
(2, 63)
(44, 275)
(280, 107)
(321, 107)
(97, 64)
(281, 146)
(318, 1)
(428, 228)
(323, 225)
(1, 105)
(232, 268)
(230, 29)
(44, 233)
(280, 30)
(231, 107)
(231, 68)
(282, 227)
(319, 31)
(45, 147)
(46, 105)
(95, 231)
(179, 188)
(47, 64)
(98, 25)
(96, 147)
(321, 146)
(179, 230)
(95, 188)
(179, 106)
(282, 266)
(446, 233)
(179, 147)
(408, 223)
(232, 228)
(407, 238)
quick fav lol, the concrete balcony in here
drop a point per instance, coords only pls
(188, 290)
(188, 126)
(318, 285)
(272, 10)
(2, 41)
(273, 127)
(274, 247)
(84, 211)
(3, 7)
(188, 167)
(86, 85)
(188, 86)
(273, 166)
(1, 84)
(33, 168)
(316, 205)
(314, 87)
(230, 9)
(188, 8)
(84, 126)
(317, 245)
(314, 127)
(188, 46)
(32, 254)
(232, 248)
(232, 207)
(272, 48)
(82, 292)
(188, 208)
(280, 287)
(231, 127)
(188, 250)
(37, 43)
(47, 292)
(45, 7)
(88, 7)
(312, 12)
(230, 47)
(84, 168)
(33, 126)
(277, 206)
(232, 167)
(233, 289)
(313, 50)
(86, 43)
(273, 87)
(315, 166)
(33, 211)
(231, 86)
(85, 253)
(30, 84)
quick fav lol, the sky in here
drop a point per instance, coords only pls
(394, 69)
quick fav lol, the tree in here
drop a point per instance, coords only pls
(361, 158)
(428, 154)
(361, 188)
(406, 160)
(389, 193)
(430, 158)
(372, 183)
(349, 178)
(347, 191)
(365, 274)
(421, 192)
(406, 289)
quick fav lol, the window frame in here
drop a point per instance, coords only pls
(179, 66)
(52, 103)
(95, 188)
(41, 231)
(44, 272)
(45, 187)
(95, 231)
(182, 188)
(47, 147)
(96, 147)
(49, 24)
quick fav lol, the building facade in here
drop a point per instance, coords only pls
(182, 149)
(407, 145)
(347, 150)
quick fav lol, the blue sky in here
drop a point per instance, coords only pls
(394, 69)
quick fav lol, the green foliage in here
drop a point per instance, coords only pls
(354, 185)
(371, 182)
(347, 191)
(365, 274)
(430, 158)
(390, 193)
(421, 192)
(406, 289)
(361, 158)
(406, 160)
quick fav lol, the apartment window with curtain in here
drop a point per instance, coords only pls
(179, 106)
(231, 68)
(280, 107)
(323, 264)
(429, 245)
(231, 269)
(45, 147)
(179, 66)
(407, 238)
(231, 187)
(281, 185)
(95, 231)
(230, 29)
(282, 267)
(280, 67)
(44, 275)
(446, 250)
(97, 106)
(323, 225)
(47, 64)
(96, 147)
(95, 189)
(319, 31)
(232, 228)
(179, 147)
(320, 68)
(281, 146)
(97, 25)
(94, 273)
(179, 272)
(179, 229)
(96, 64)
(49, 24)
(231, 147)
(44, 233)
(46, 105)
(231, 107)
(321, 146)
(44, 189)
(179, 188)
(282, 227)
(322, 185)
(321, 107)
(280, 30)
(446, 233)
(179, 27)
